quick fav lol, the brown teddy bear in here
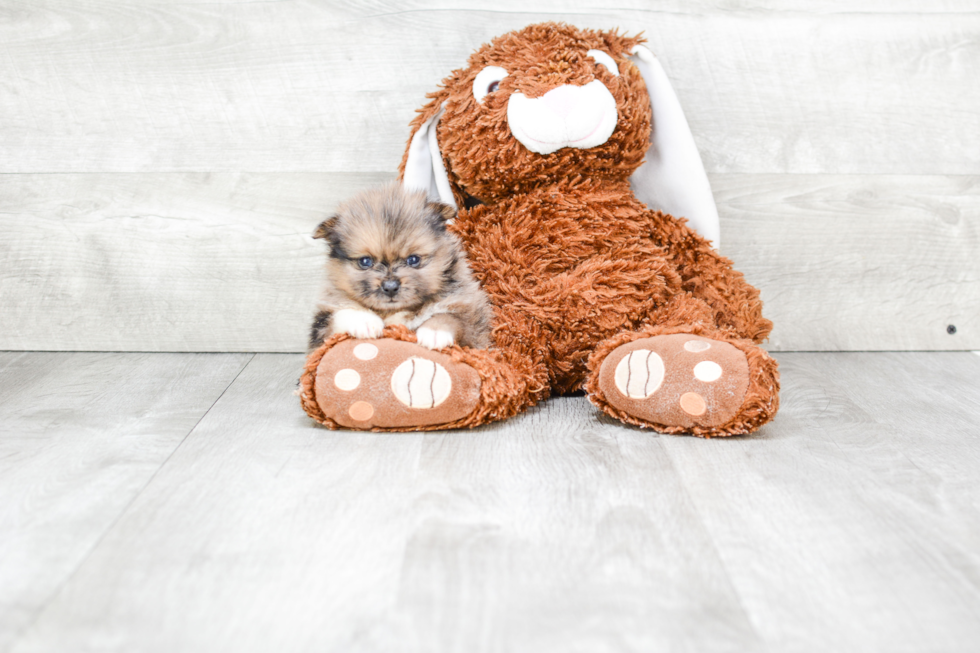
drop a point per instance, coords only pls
(547, 142)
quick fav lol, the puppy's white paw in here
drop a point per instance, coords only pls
(360, 324)
(434, 338)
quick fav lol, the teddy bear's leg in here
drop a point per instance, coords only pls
(734, 304)
(392, 383)
(681, 377)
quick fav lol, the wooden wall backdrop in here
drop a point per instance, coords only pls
(162, 165)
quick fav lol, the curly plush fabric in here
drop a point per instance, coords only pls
(574, 264)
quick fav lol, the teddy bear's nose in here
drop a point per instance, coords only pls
(566, 116)
(561, 100)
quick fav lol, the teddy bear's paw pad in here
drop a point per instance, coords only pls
(679, 380)
(421, 383)
(393, 384)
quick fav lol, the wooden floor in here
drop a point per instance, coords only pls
(183, 502)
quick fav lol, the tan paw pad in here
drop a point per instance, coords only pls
(347, 379)
(695, 346)
(421, 383)
(692, 403)
(361, 411)
(365, 351)
(707, 371)
(639, 374)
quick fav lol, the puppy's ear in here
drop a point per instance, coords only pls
(326, 228)
(441, 214)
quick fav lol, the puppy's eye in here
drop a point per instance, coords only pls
(487, 81)
(413, 261)
(605, 60)
(365, 262)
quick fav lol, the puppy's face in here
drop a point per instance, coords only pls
(389, 250)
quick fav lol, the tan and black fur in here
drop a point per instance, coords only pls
(390, 225)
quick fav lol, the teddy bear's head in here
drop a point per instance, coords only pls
(551, 102)
(546, 101)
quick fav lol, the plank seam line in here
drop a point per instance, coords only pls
(47, 601)
(665, 445)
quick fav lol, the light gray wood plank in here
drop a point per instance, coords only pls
(224, 262)
(330, 86)
(80, 437)
(852, 522)
(180, 262)
(554, 531)
(847, 262)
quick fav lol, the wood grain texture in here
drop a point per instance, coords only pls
(847, 262)
(91, 86)
(80, 437)
(851, 522)
(179, 262)
(225, 262)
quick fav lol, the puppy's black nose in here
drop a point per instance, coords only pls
(390, 286)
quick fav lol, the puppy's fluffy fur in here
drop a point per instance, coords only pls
(392, 261)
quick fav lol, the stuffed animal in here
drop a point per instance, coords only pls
(587, 216)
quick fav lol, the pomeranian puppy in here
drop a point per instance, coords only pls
(392, 261)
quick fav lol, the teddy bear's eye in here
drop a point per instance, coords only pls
(604, 59)
(365, 262)
(487, 81)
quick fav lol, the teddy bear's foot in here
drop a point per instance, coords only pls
(393, 384)
(676, 383)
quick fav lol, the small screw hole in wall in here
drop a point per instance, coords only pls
(951, 329)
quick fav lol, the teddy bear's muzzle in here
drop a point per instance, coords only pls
(566, 116)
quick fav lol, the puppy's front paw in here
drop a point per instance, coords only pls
(434, 338)
(360, 324)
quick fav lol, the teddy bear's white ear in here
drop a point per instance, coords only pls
(424, 169)
(672, 178)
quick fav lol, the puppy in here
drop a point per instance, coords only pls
(392, 261)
